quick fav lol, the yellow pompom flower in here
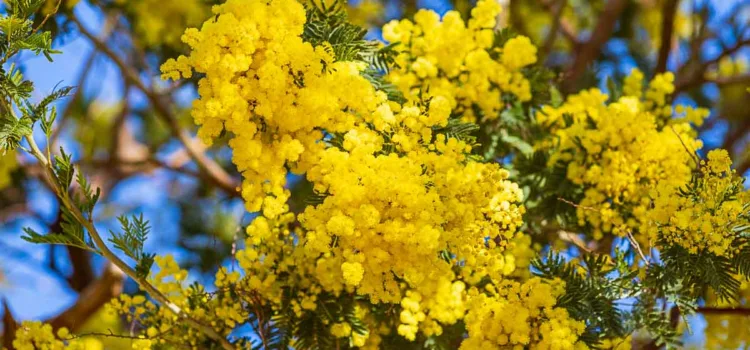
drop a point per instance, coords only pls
(453, 59)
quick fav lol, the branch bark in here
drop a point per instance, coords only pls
(10, 326)
(557, 12)
(724, 311)
(214, 172)
(599, 36)
(668, 12)
(698, 75)
(105, 251)
(91, 299)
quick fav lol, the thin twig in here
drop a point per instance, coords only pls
(104, 250)
(215, 173)
(111, 334)
(57, 7)
(573, 238)
(698, 77)
(637, 247)
(599, 36)
(691, 153)
(575, 204)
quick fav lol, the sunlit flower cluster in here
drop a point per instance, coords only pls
(520, 315)
(402, 204)
(33, 335)
(460, 61)
(703, 215)
(619, 152)
(219, 309)
(273, 92)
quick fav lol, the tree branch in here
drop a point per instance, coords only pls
(599, 36)
(724, 311)
(9, 326)
(515, 18)
(557, 12)
(215, 173)
(698, 75)
(96, 237)
(91, 299)
(668, 12)
(736, 79)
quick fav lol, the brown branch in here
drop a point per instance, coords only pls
(110, 334)
(737, 133)
(668, 12)
(724, 311)
(46, 18)
(697, 77)
(557, 12)
(91, 299)
(10, 326)
(213, 171)
(573, 238)
(83, 274)
(599, 36)
(736, 79)
(515, 18)
(634, 243)
(566, 201)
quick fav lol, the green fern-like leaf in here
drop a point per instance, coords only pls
(134, 234)
(23, 8)
(12, 131)
(72, 234)
(13, 85)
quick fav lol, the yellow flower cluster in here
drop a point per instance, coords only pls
(514, 315)
(625, 343)
(8, 163)
(519, 253)
(161, 22)
(32, 335)
(273, 260)
(407, 215)
(221, 311)
(620, 152)
(460, 61)
(273, 92)
(702, 217)
(392, 215)
(388, 218)
(656, 98)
